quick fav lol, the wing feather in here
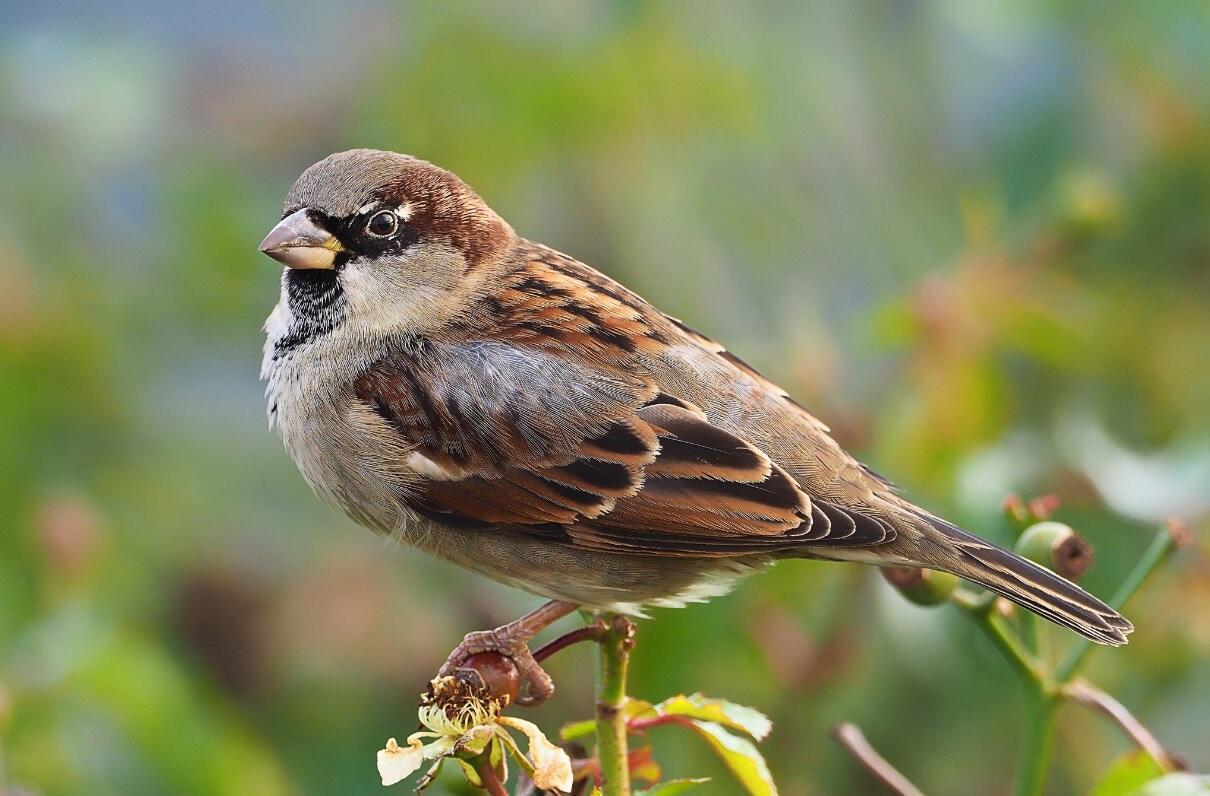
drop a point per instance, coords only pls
(554, 428)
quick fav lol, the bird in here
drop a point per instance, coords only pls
(503, 406)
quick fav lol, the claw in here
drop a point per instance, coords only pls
(505, 643)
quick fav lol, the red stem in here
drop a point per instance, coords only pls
(638, 725)
(592, 632)
(487, 775)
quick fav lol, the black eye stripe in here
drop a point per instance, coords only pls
(353, 233)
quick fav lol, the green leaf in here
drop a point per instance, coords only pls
(719, 711)
(497, 757)
(1127, 774)
(1176, 785)
(672, 787)
(637, 707)
(741, 756)
(710, 718)
(578, 729)
(468, 771)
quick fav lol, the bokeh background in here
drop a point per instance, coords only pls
(974, 238)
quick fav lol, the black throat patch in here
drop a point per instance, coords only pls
(317, 303)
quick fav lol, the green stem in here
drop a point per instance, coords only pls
(1029, 633)
(1161, 547)
(1034, 758)
(611, 700)
(1026, 665)
(984, 616)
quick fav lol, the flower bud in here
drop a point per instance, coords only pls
(921, 586)
(1014, 509)
(1057, 546)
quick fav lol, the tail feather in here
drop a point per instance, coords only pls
(1033, 587)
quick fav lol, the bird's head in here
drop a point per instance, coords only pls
(389, 238)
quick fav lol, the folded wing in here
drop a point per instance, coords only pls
(611, 464)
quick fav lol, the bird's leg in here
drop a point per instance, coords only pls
(512, 641)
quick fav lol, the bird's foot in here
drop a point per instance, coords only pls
(512, 641)
(500, 641)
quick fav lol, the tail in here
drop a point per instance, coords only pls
(1031, 586)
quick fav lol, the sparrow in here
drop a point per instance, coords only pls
(503, 406)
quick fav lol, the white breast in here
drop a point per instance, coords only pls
(345, 451)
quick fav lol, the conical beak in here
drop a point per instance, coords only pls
(299, 242)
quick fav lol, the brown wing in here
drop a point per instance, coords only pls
(523, 440)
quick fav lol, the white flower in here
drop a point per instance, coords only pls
(460, 717)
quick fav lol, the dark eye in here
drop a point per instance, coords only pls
(383, 224)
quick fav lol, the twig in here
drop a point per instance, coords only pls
(590, 632)
(1084, 693)
(852, 739)
(616, 645)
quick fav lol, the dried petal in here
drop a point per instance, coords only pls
(552, 765)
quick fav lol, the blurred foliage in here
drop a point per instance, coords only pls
(973, 237)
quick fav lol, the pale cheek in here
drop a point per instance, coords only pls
(378, 301)
(405, 295)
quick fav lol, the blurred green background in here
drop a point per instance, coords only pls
(974, 238)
